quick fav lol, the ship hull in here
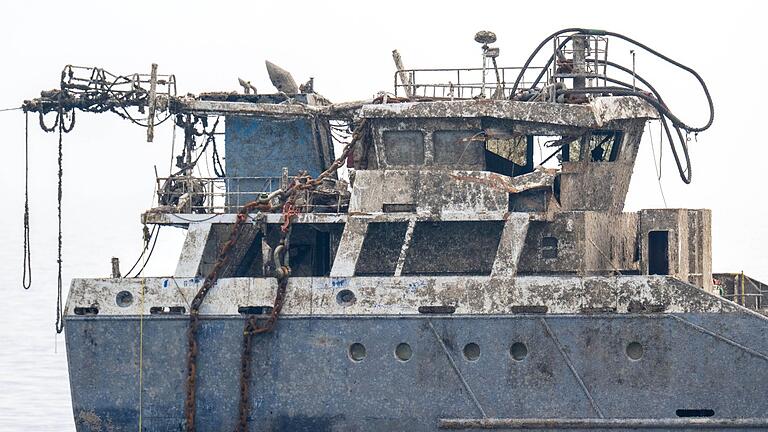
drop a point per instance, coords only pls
(576, 372)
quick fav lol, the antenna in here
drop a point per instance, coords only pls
(486, 37)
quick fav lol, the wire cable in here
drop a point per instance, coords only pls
(147, 238)
(656, 166)
(146, 261)
(26, 278)
(630, 90)
(59, 308)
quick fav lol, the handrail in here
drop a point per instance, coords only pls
(452, 87)
(214, 195)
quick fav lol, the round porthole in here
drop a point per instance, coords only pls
(634, 351)
(346, 298)
(471, 351)
(357, 352)
(403, 352)
(124, 299)
(518, 351)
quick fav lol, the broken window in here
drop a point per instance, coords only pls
(572, 152)
(597, 146)
(252, 264)
(513, 148)
(549, 247)
(552, 150)
(381, 249)
(603, 146)
(457, 147)
(658, 252)
(453, 248)
(312, 249)
(508, 154)
(404, 147)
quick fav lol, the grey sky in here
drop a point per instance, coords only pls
(346, 47)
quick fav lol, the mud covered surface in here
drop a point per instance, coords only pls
(399, 295)
(308, 375)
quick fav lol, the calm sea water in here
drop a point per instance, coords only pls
(34, 386)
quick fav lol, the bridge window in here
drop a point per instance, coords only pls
(509, 155)
(404, 147)
(459, 148)
(603, 146)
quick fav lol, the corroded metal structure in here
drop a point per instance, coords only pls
(451, 282)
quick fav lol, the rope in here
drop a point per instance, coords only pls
(656, 166)
(147, 236)
(141, 346)
(59, 309)
(173, 147)
(62, 129)
(149, 255)
(26, 278)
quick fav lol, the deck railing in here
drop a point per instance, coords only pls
(214, 195)
(463, 83)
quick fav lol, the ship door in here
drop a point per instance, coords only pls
(658, 252)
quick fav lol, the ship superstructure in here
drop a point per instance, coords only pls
(472, 269)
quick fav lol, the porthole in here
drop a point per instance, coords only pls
(346, 297)
(124, 299)
(403, 352)
(472, 351)
(518, 351)
(357, 352)
(634, 351)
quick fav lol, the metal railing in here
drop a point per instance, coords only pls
(595, 60)
(214, 195)
(87, 79)
(463, 83)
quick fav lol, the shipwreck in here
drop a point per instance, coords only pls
(452, 254)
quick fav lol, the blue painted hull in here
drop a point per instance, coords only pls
(304, 378)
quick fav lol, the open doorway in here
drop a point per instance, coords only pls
(658, 252)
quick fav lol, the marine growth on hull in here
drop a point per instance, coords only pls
(452, 254)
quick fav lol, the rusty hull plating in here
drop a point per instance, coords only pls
(473, 269)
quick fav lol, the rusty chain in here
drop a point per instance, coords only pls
(282, 273)
(194, 319)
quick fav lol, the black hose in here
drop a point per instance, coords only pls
(536, 51)
(685, 174)
(681, 66)
(543, 69)
(626, 89)
(675, 120)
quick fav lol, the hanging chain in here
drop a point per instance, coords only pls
(210, 281)
(59, 309)
(58, 125)
(26, 278)
(282, 272)
(252, 327)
